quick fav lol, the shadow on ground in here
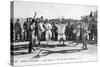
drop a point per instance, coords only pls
(48, 52)
(92, 42)
(23, 47)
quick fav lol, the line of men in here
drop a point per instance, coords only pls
(71, 27)
(42, 29)
(38, 29)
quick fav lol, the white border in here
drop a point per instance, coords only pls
(5, 34)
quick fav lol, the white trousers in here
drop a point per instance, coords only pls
(61, 36)
(48, 35)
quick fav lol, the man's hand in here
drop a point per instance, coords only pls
(35, 13)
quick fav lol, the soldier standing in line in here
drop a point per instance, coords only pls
(43, 26)
(48, 34)
(28, 28)
(18, 30)
(25, 26)
(76, 32)
(93, 32)
(67, 31)
(54, 31)
(84, 33)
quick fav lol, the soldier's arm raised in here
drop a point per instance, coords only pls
(35, 15)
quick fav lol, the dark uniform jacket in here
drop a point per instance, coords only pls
(18, 27)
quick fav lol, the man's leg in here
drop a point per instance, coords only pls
(31, 43)
(42, 35)
(20, 35)
(95, 34)
(84, 41)
(30, 48)
(64, 38)
(56, 35)
(47, 37)
(91, 35)
(25, 35)
(77, 40)
(50, 34)
(16, 35)
(85, 45)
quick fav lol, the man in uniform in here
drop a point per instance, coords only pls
(69, 30)
(76, 32)
(18, 30)
(40, 28)
(84, 33)
(43, 28)
(25, 26)
(48, 31)
(32, 36)
(54, 31)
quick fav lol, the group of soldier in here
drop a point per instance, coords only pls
(37, 29)
(40, 26)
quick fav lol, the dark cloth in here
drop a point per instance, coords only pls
(31, 44)
(36, 29)
(43, 36)
(54, 31)
(18, 30)
(83, 39)
(16, 35)
(93, 32)
(84, 34)
(69, 31)
(18, 27)
(31, 41)
(25, 27)
(26, 30)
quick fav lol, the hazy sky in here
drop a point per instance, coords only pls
(49, 10)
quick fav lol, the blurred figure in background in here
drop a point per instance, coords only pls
(18, 30)
(54, 31)
(48, 28)
(25, 27)
(93, 30)
(43, 28)
(84, 33)
(32, 36)
(76, 32)
(69, 30)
